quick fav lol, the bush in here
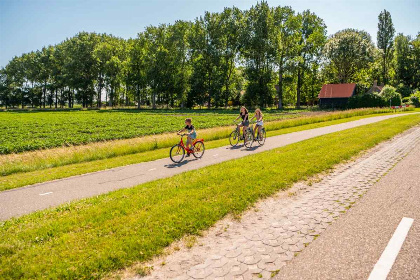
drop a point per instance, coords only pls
(391, 96)
(406, 100)
(368, 100)
(415, 99)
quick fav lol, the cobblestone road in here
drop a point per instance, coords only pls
(278, 228)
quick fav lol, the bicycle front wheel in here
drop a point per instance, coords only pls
(177, 153)
(198, 149)
(248, 139)
(234, 138)
(261, 139)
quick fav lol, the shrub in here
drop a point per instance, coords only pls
(415, 99)
(391, 96)
(406, 100)
(368, 100)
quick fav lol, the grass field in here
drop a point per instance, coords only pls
(89, 238)
(26, 130)
(42, 159)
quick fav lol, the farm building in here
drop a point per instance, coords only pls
(375, 88)
(335, 95)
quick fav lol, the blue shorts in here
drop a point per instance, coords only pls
(193, 135)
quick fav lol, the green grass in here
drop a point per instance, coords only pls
(90, 238)
(37, 160)
(17, 180)
(33, 130)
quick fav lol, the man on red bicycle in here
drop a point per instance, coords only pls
(192, 134)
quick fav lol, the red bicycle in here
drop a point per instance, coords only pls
(177, 152)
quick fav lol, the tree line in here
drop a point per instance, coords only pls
(264, 56)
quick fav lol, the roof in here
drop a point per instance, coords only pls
(375, 88)
(337, 91)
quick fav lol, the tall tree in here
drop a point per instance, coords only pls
(403, 62)
(415, 57)
(347, 52)
(312, 33)
(232, 26)
(286, 26)
(385, 38)
(259, 53)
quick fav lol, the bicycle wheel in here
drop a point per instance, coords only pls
(261, 139)
(234, 138)
(177, 153)
(198, 149)
(248, 138)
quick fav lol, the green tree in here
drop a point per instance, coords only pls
(415, 57)
(232, 26)
(385, 38)
(403, 63)
(259, 54)
(286, 26)
(347, 52)
(312, 37)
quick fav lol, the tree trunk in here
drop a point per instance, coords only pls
(154, 100)
(45, 93)
(56, 98)
(99, 101)
(280, 89)
(138, 97)
(299, 83)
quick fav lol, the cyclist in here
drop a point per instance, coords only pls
(243, 113)
(259, 117)
(192, 134)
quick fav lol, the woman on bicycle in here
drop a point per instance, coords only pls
(258, 126)
(243, 113)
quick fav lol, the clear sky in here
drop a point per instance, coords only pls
(27, 25)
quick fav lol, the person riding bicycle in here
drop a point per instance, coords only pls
(258, 126)
(191, 135)
(245, 119)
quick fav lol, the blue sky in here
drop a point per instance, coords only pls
(27, 25)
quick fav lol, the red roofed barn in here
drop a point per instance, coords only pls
(336, 95)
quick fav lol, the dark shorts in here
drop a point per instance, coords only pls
(245, 123)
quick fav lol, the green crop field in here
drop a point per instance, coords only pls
(26, 131)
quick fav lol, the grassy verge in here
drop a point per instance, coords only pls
(44, 159)
(28, 178)
(89, 238)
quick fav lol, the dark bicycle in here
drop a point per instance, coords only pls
(235, 136)
(250, 136)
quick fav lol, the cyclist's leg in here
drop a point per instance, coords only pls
(259, 131)
(239, 127)
(189, 141)
(244, 131)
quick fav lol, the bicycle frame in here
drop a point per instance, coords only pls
(181, 143)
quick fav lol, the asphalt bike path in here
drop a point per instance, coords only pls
(362, 244)
(271, 236)
(24, 200)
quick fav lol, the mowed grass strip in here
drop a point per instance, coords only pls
(88, 239)
(17, 180)
(43, 159)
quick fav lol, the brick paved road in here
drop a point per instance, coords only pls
(270, 235)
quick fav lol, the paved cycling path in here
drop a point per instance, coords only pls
(28, 199)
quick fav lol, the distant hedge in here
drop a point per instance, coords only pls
(367, 100)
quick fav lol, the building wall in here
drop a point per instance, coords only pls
(333, 102)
